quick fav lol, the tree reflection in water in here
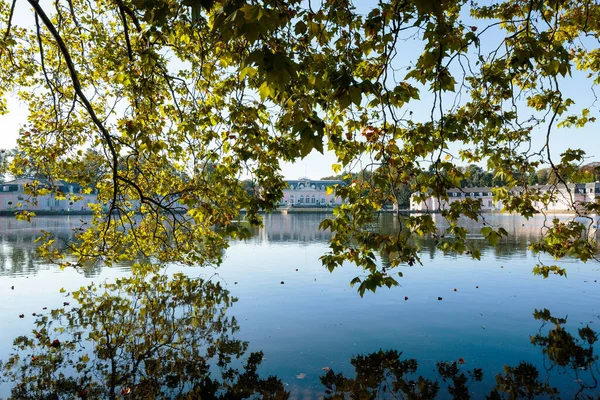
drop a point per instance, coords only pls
(146, 336)
(155, 336)
(385, 374)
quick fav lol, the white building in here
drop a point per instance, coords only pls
(305, 192)
(562, 199)
(13, 197)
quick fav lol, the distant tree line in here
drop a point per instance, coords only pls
(475, 176)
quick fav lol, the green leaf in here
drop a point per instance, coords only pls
(355, 95)
(265, 91)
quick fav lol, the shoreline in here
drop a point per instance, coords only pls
(38, 213)
(298, 210)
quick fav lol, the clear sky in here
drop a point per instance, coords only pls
(318, 165)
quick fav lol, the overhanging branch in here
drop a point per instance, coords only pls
(79, 93)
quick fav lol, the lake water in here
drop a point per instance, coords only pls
(307, 320)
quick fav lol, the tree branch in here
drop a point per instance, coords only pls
(79, 93)
(10, 17)
(126, 31)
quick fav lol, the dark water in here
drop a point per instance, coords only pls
(315, 321)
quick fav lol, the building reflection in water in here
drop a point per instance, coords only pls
(304, 228)
(18, 242)
(18, 257)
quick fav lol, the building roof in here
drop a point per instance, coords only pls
(41, 182)
(22, 181)
(317, 183)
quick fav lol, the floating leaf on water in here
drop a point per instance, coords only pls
(439, 298)
(325, 368)
(282, 282)
(461, 360)
(301, 376)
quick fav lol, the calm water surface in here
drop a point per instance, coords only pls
(316, 320)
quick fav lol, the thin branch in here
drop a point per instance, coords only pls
(130, 13)
(43, 63)
(126, 31)
(10, 16)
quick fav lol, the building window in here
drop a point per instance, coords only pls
(322, 200)
(313, 199)
(489, 203)
(301, 199)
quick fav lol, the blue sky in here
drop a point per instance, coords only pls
(317, 165)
